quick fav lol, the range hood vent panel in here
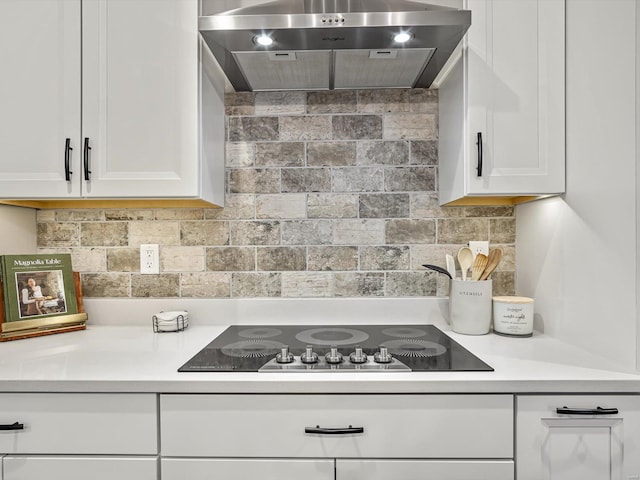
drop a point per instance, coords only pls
(339, 28)
(304, 70)
(369, 69)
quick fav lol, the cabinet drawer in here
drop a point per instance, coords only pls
(80, 468)
(245, 468)
(424, 469)
(79, 423)
(407, 426)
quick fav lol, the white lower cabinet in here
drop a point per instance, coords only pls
(404, 437)
(579, 442)
(244, 469)
(79, 468)
(78, 436)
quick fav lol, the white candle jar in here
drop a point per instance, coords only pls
(513, 316)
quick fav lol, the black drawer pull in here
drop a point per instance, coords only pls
(587, 411)
(479, 144)
(87, 172)
(67, 159)
(318, 430)
(13, 426)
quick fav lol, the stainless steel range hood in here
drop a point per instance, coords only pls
(333, 44)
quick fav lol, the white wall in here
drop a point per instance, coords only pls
(17, 230)
(577, 254)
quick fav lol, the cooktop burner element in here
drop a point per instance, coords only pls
(317, 348)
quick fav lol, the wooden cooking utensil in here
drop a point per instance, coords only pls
(479, 265)
(493, 260)
(465, 259)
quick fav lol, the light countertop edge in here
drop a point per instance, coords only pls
(118, 359)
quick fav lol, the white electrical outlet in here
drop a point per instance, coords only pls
(149, 258)
(479, 247)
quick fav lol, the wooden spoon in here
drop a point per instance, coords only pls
(465, 259)
(493, 260)
(479, 265)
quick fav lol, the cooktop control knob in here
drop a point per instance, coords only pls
(333, 356)
(309, 356)
(284, 356)
(383, 356)
(358, 356)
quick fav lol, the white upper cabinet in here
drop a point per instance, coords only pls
(39, 98)
(502, 109)
(124, 89)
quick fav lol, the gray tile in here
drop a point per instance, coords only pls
(504, 283)
(240, 154)
(236, 207)
(88, 215)
(297, 180)
(313, 127)
(255, 233)
(179, 214)
(205, 285)
(390, 100)
(411, 284)
(307, 232)
(240, 103)
(462, 230)
(384, 205)
(280, 103)
(423, 100)
(355, 284)
(402, 231)
(124, 214)
(320, 154)
(281, 258)
(284, 205)
(502, 230)
(280, 154)
(231, 259)
(165, 285)
(90, 260)
(335, 101)
(384, 258)
(181, 259)
(204, 232)
(358, 232)
(334, 258)
(357, 127)
(383, 152)
(307, 284)
(257, 180)
(45, 216)
(410, 179)
(107, 234)
(357, 179)
(332, 205)
(56, 234)
(162, 232)
(411, 126)
(253, 129)
(424, 152)
(123, 260)
(256, 284)
(105, 285)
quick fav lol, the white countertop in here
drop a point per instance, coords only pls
(134, 359)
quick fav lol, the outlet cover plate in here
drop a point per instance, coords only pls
(149, 259)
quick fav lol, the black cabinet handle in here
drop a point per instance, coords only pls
(587, 411)
(67, 160)
(13, 426)
(318, 430)
(87, 172)
(479, 144)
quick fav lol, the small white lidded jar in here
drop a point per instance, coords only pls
(513, 316)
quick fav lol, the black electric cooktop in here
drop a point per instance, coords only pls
(287, 348)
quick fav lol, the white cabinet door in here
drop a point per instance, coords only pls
(39, 98)
(424, 470)
(552, 446)
(80, 468)
(140, 98)
(502, 112)
(243, 469)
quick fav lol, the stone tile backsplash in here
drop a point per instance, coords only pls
(329, 194)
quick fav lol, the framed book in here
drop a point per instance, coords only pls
(41, 295)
